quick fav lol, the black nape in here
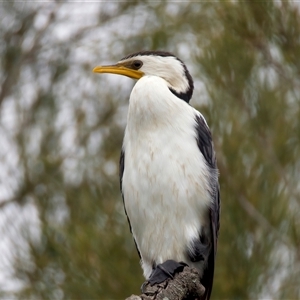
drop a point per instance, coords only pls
(183, 96)
(186, 95)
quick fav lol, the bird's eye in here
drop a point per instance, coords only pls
(137, 64)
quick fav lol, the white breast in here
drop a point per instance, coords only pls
(165, 180)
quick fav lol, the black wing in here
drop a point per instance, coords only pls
(205, 144)
(121, 171)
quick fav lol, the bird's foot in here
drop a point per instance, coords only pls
(163, 271)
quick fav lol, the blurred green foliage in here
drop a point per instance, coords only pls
(62, 126)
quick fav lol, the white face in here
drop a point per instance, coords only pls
(167, 67)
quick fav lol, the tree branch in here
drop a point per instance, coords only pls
(184, 285)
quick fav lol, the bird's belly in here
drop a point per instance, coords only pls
(165, 187)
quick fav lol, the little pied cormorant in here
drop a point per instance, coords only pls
(168, 171)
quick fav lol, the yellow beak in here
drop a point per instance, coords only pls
(120, 70)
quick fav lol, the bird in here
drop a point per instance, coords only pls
(168, 169)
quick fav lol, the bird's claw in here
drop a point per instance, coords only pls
(165, 270)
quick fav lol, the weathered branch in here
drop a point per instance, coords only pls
(184, 285)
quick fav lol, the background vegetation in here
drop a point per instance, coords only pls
(64, 234)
